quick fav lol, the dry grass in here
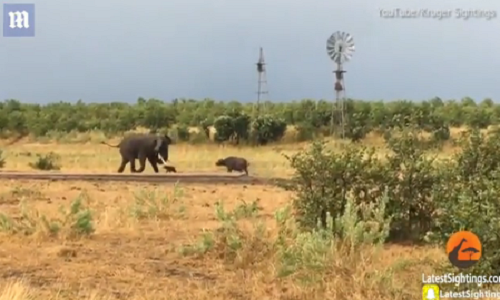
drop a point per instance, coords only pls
(143, 232)
(98, 158)
(134, 252)
(92, 157)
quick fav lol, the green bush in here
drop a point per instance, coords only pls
(267, 129)
(468, 198)
(410, 177)
(323, 179)
(425, 200)
(183, 133)
(233, 127)
(305, 132)
(224, 126)
(46, 162)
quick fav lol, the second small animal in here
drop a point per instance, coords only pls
(170, 169)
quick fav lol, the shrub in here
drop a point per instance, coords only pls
(358, 126)
(469, 198)
(266, 129)
(183, 133)
(156, 205)
(224, 126)
(46, 162)
(303, 254)
(205, 126)
(305, 132)
(74, 222)
(410, 176)
(323, 179)
(305, 257)
(441, 134)
(425, 199)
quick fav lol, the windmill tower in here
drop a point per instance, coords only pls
(261, 81)
(340, 47)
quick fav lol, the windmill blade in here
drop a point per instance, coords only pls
(340, 47)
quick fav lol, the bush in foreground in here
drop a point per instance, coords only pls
(427, 200)
(72, 222)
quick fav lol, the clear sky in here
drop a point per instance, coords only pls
(119, 50)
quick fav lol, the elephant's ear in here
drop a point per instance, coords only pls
(158, 142)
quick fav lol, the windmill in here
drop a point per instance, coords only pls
(340, 47)
(261, 81)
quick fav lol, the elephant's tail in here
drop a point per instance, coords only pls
(110, 145)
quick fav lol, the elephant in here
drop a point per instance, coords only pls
(143, 146)
(233, 163)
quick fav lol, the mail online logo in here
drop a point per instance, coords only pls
(18, 20)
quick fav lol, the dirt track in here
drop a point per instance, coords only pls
(149, 178)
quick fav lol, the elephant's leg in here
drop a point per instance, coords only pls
(123, 165)
(229, 170)
(152, 161)
(142, 162)
(132, 166)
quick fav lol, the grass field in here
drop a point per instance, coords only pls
(96, 158)
(93, 157)
(142, 247)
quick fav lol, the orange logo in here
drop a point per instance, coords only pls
(464, 249)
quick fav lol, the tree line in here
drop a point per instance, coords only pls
(243, 122)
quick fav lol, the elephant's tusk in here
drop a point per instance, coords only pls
(162, 160)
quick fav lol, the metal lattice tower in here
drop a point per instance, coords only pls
(338, 109)
(261, 81)
(340, 47)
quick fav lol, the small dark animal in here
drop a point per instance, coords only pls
(170, 169)
(143, 146)
(233, 163)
